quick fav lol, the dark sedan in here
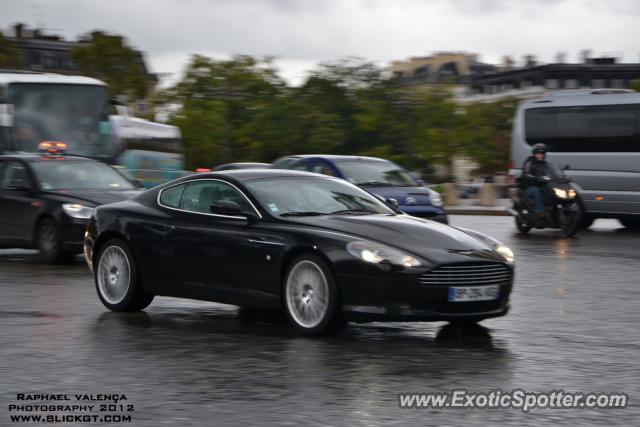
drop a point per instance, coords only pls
(378, 176)
(320, 248)
(46, 200)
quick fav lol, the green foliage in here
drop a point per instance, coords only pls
(9, 55)
(108, 58)
(240, 110)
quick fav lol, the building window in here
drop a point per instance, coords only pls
(551, 84)
(525, 84)
(571, 84)
(597, 83)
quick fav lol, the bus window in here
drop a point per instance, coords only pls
(602, 128)
(60, 112)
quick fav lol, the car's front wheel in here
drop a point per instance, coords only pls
(311, 297)
(117, 280)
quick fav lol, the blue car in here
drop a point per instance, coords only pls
(378, 176)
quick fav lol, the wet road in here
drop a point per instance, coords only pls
(573, 325)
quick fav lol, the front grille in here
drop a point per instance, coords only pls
(470, 274)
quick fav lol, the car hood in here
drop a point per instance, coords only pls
(406, 196)
(436, 242)
(96, 197)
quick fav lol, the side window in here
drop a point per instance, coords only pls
(15, 175)
(200, 195)
(302, 166)
(322, 167)
(171, 196)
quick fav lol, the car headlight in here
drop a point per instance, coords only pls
(76, 210)
(436, 199)
(571, 193)
(376, 253)
(506, 253)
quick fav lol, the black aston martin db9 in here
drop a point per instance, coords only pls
(317, 247)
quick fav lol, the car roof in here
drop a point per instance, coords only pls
(335, 157)
(243, 175)
(33, 157)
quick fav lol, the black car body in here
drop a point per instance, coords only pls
(32, 210)
(242, 258)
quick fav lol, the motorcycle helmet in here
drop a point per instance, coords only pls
(539, 148)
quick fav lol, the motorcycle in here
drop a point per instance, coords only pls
(563, 209)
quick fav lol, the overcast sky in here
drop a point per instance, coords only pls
(303, 32)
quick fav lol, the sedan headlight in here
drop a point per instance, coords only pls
(76, 210)
(436, 199)
(376, 253)
(506, 253)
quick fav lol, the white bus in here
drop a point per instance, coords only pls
(36, 107)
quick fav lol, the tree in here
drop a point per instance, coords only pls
(225, 107)
(108, 57)
(9, 55)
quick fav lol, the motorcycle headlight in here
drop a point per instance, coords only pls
(76, 210)
(436, 199)
(376, 253)
(560, 193)
(506, 253)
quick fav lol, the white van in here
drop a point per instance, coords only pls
(596, 134)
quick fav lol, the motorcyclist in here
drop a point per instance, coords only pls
(535, 173)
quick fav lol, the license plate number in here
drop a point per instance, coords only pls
(474, 293)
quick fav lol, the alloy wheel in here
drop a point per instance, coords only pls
(307, 293)
(114, 274)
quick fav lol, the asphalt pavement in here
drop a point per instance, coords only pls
(573, 326)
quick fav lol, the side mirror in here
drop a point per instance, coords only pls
(230, 208)
(566, 167)
(392, 202)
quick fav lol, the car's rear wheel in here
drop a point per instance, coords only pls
(117, 280)
(311, 297)
(49, 242)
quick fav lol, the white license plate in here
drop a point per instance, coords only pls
(474, 293)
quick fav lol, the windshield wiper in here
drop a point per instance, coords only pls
(374, 184)
(302, 213)
(355, 211)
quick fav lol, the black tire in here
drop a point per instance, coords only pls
(49, 243)
(330, 318)
(570, 222)
(630, 223)
(521, 226)
(127, 295)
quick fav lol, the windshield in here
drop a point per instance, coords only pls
(78, 175)
(376, 173)
(75, 114)
(287, 196)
